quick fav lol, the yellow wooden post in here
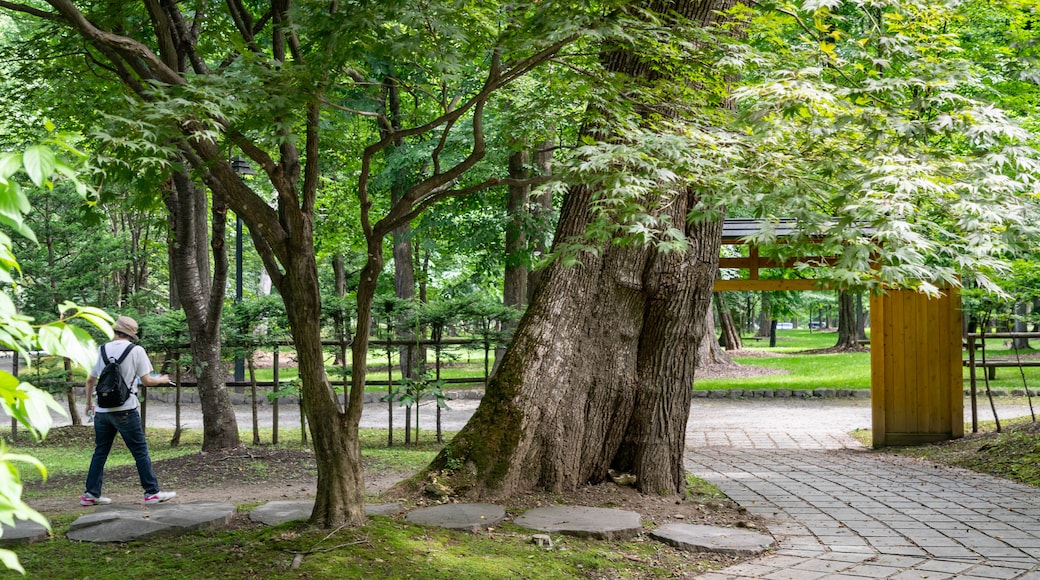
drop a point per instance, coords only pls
(916, 370)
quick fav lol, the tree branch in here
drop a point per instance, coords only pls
(121, 44)
(25, 9)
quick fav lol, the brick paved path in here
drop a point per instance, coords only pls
(839, 510)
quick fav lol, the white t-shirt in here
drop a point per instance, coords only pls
(135, 366)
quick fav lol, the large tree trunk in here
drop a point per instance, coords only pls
(679, 295)
(600, 371)
(203, 300)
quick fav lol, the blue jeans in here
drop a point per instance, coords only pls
(127, 424)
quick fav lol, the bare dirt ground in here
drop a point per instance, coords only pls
(739, 371)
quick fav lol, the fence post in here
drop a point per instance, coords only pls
(15, 357)
(177, 392)
(274, 402)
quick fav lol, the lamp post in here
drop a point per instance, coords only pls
(241, 167)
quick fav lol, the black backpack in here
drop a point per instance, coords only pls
(112, 390)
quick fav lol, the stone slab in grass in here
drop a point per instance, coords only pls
(586, 522)
(471, 517)
(697, 538)
(279, 512)
(123, 523)
(23, 532)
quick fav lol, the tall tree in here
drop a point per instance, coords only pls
(207, 77)
(599, 372)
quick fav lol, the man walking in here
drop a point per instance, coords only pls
(125, 418)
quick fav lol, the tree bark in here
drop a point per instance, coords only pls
(600, 371)
(861, 318)
(340, 490)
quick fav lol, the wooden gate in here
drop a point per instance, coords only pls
(916, 377)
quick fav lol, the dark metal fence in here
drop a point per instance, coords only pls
(276, 391)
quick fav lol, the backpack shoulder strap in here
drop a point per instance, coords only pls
(104, 355)
(125, 352)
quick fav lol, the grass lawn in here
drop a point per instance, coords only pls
(849, 370)
(802, 371)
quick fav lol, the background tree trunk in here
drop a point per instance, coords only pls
(514, 288)
(861, 319)
(541, 211)
(730, 332)
(340, 317)
(1021, 325)
(710, 352)
(203, 301)
(764, 317)
(404, 260)
(847, 327)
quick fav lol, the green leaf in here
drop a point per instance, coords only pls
(10, 163)
(13, 201)
(60, 339)
(49, 338)
(39, 163)
(26, 459)
(19, 226)
(8, 381)
(79, 346)
(33, 408)
(96, 316)
(10, 560)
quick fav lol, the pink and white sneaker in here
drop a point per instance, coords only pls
(159, 497)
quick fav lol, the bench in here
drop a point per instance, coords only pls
(991, 365)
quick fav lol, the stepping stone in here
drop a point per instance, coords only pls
(695, 538)
(279, 512)
(585, 522)
(23, 532)
(122, 523)
(471, 517)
